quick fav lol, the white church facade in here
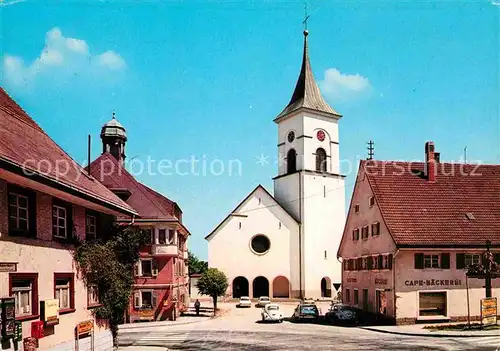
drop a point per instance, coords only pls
(285, 245)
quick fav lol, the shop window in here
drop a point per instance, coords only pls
(24, 288)
(90, 226)
(93, 299)
(356, 297)
(432, 304)
(64, 291)
(471, 259)
(22, 212)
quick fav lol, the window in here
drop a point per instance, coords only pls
(356, 297)
(471, 259)
(320, 160)
(355, 234)
(93, 296)
(365, 232)
(371, 201)
(346, 267)
(380, 264)
(149, 236)
(24, 288)
(147, 268)
(369, 262)
(171, 236)
(432, 261)
(162, 236)
(432, 304)
(356, 208)
(347, 296)
(291, 161)
(18, 212)
(326, 255)
(144, 299)
(61, 220)
(364, 263)
(386, 262)
(375, 228)
(260, 244)
(64, 291)
(90, 227)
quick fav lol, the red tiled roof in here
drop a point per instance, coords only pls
(23, 144)
(148, 203)
(419, 212)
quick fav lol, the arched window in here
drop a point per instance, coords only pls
(321, 160)
(291, 161)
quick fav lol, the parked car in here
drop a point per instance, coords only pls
(263, 300)
(308, 300)
(340, 314)
(272, 313)
(244, 302)
(306, 312)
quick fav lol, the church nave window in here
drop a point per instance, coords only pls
(321, 160)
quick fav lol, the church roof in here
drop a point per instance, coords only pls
(307, 93)
(235, 211)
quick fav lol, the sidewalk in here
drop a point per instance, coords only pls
(133, 327)
(418, 330)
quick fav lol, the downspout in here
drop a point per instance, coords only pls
(300, 237)
(394, 282)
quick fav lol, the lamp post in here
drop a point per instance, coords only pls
(487, 268)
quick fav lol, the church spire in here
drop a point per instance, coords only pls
(307, 94)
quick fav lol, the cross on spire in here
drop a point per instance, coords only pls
(306, 17)
(371, 149)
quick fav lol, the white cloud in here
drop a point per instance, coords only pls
(61, 58)
(342, 87)
(111, 59)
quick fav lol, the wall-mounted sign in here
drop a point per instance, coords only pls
(380, 281)
(351, 280)
(433, 282)
(49, 312)
(489, 311)
(8, 266)
(146, 314)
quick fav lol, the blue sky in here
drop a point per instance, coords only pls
(207, 78)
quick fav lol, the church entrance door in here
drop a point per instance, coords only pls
(240, 287)
(326, 287)
(281, 287)
(260, 287)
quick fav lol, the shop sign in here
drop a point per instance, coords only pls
(84, 327)
(146, 313)
(489, 311)
(380, 281)
(50, 312)
(8, 267)
(433, 282)
(351, 280)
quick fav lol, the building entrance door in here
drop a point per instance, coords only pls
(365, 299)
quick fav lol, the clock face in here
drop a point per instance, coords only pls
(291, 136)
(320, 135)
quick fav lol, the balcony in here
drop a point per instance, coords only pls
(164, 250)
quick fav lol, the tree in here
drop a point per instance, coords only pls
(109, 265)
(195, 265)
(212, 283)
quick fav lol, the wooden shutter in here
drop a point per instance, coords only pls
(380, 262)
(419, 261)
(390, 261)
(153, 299)
(445, 260)
(137, 299)
(460, 261)
(370, 262)
(360, 263)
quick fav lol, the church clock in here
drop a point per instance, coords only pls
(291, 136)
(320, 135)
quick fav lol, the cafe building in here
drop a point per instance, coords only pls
(412, 230)
(46, 199)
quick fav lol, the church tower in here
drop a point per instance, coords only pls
(309, 184)
(113, 138)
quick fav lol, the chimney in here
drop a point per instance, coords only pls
(431, 159)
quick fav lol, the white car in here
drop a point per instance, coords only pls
(263, 301)
(245, 302)
(272, 313)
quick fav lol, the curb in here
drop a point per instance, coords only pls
(429, 334)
